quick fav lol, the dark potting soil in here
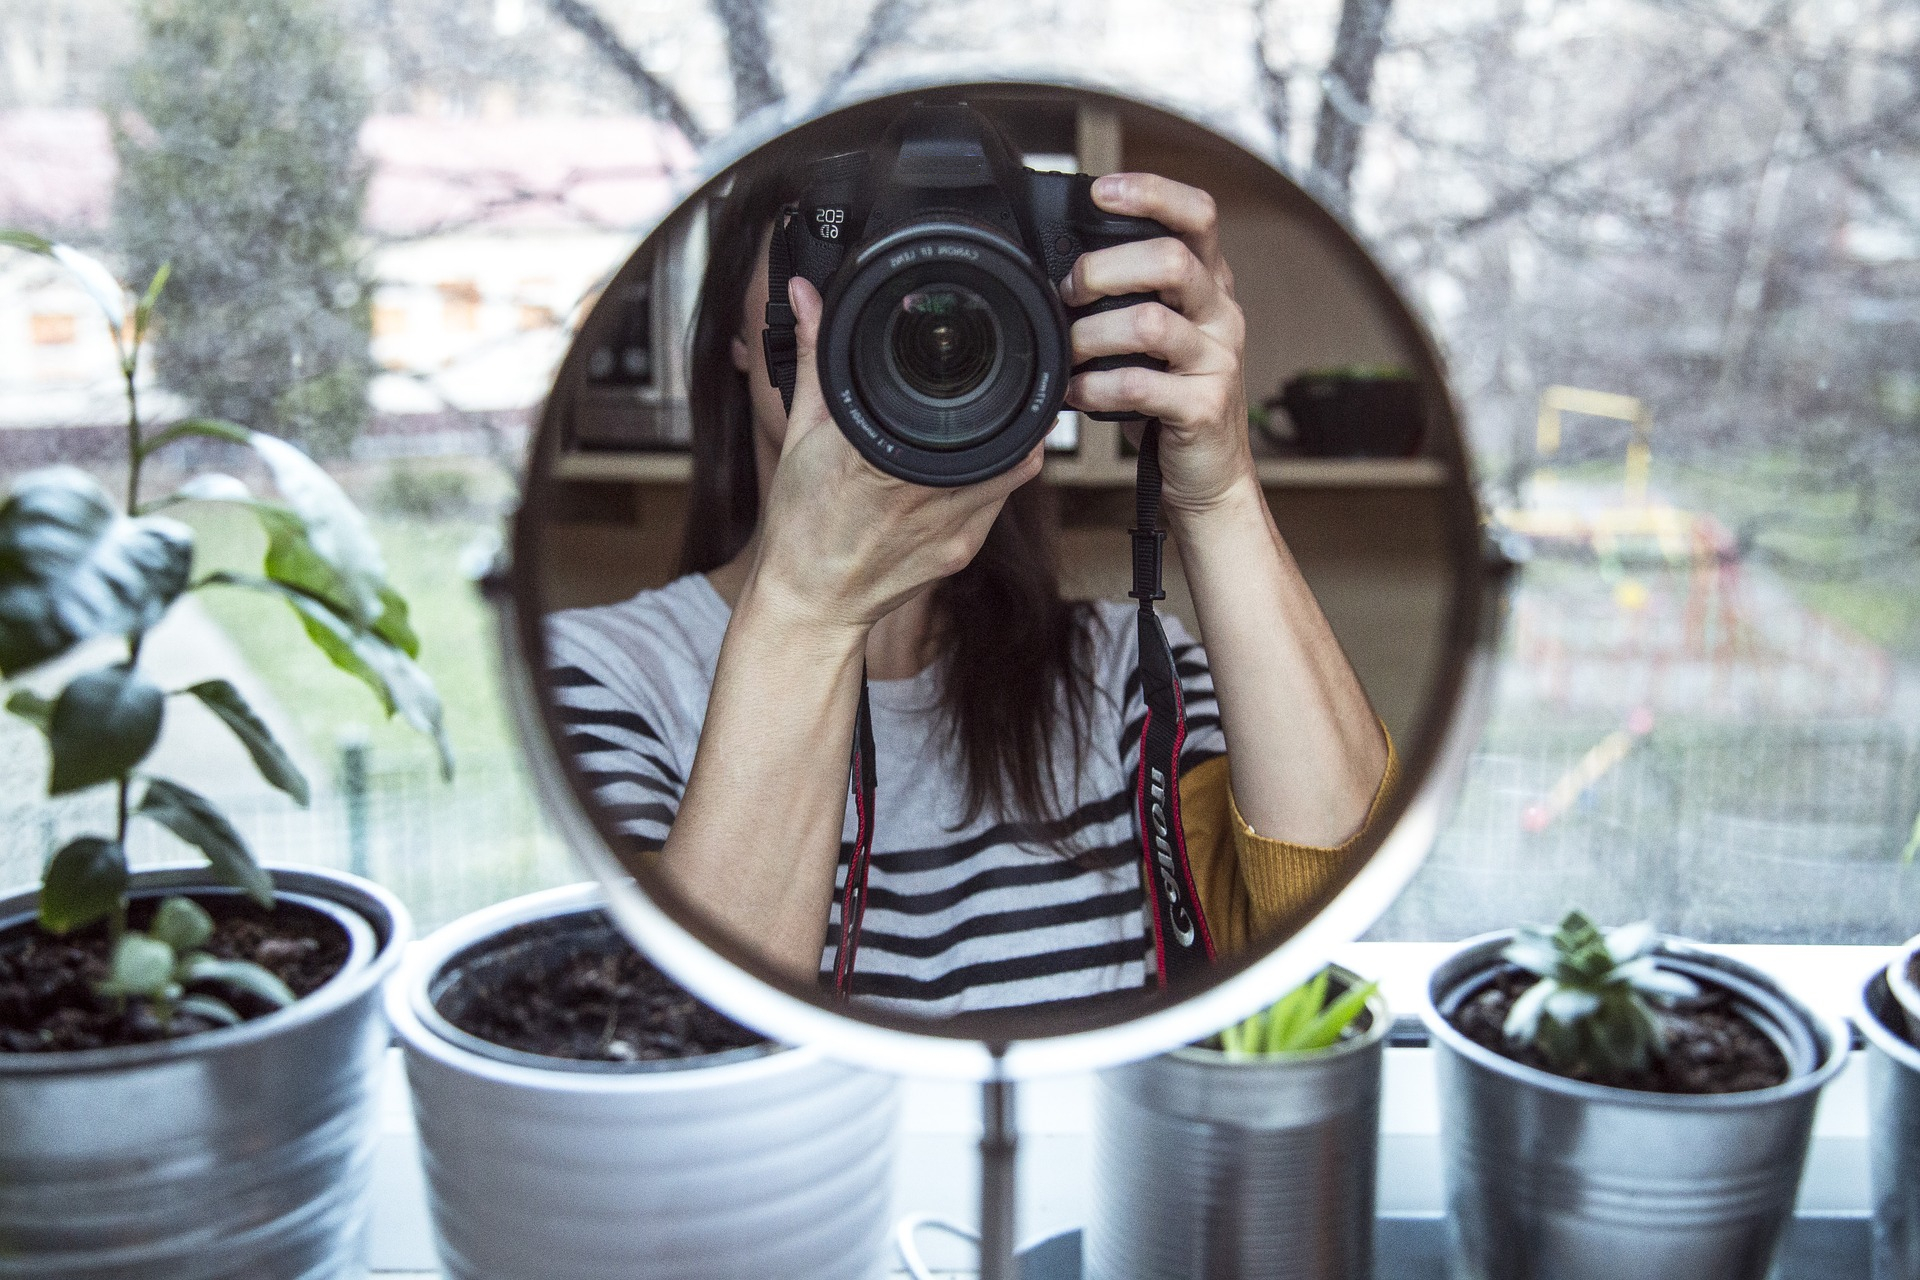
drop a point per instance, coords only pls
(1711, 1048)
(47, 1003)
(596, 1001)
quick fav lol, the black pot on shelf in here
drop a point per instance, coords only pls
(1353, 413)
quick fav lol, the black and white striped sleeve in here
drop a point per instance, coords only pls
(618, 718)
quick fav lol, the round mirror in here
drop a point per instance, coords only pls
(1066, 844)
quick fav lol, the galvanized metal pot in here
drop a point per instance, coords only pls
(1554, 1179)
(238, 1154)
(1205, 1167)
(1900, 986)
(1893, 1092)
(765, 1161)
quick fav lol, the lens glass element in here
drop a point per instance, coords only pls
(943, 341)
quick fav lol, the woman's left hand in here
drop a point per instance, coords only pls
(1196, 327)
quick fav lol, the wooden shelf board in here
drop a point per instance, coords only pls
(1065, 470)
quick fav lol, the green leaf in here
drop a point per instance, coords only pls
(100, 284)
(242, 975)
(192, 817)
(143, 310)
(104, 723)
(395, 679)
(215, 1011)
(72, 567)
(27, 240)
(335, 530)
(210, 428)
(31, 707)
(1332, 1022)
(142, 966)
(181, 923)
(274, 764)
(85, 881)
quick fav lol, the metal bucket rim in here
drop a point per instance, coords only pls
(1882, 1037)
(1379, 1024)
(1899, 985)
(315, 885)
(1830, 1033)
(422, 1029)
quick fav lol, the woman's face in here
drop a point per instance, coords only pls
(749, 357)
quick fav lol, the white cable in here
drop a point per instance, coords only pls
(909, 1226)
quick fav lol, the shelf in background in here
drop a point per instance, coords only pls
(1066, 470)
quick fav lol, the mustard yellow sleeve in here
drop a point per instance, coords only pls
(1246, 882)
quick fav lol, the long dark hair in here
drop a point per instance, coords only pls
(1015, 674)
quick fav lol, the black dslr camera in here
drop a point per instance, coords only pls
(943, 350)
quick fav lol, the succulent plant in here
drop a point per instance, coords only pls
(1593, 1010)
(1301, 1021)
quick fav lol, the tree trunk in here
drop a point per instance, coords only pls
(749, 55)
(655, 94)
(1348, 83)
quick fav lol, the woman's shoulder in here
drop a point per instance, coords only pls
(665, 629)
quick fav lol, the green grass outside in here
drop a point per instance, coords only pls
(454, 624)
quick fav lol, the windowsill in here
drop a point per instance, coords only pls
(936, 1167)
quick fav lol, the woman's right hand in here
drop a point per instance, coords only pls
(842, 543)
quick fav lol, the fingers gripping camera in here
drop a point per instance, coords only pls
(943, 349)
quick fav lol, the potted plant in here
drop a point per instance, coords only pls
(1249, 1155)
(1888, 1015)
(582, 1116)
(187, 1055)
(1613, 1104)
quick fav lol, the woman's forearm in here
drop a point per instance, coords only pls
(1305, 749)
(757, 837)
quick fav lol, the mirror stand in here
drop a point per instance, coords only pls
(999, 1146)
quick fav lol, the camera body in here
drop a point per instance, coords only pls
(943, 350)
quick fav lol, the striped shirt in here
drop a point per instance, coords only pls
(960, 915)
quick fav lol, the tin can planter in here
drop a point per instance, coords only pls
(1893, 1108)
(243, 1153)
(758, 1161)
(1237, 1169)
(1550, 1178)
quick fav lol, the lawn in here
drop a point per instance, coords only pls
(424, 557)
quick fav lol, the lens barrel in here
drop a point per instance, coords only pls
(943, 352)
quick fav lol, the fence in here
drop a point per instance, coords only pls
(1749, 833)
(1741, 833)
(443, 848)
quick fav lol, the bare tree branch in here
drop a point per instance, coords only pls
(1273, 78)
(656, 95)
(749, 55)
(887, 23)
(1348, 84)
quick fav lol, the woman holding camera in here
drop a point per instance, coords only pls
(713, 715)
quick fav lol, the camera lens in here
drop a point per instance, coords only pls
(943, 355)
(944, 341)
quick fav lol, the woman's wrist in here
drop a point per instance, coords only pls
(1238, 504)
(800, 625)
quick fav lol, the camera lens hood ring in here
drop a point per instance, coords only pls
(979, 250)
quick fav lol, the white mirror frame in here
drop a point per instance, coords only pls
(793, 1020)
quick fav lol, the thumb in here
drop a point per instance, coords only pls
(809, 406)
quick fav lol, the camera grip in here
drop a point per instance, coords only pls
(1100, 363)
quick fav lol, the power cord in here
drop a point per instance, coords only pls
(905, 1231)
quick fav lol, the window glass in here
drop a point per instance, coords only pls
(1672, 250)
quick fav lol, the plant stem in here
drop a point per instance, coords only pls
(130, 367)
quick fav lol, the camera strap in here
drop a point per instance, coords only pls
(1182, 945)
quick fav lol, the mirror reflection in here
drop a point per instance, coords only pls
(846, 522)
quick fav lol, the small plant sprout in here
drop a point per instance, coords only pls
(77, 567)
(1592, 1011)
(1301, 1021)
(161, 965)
